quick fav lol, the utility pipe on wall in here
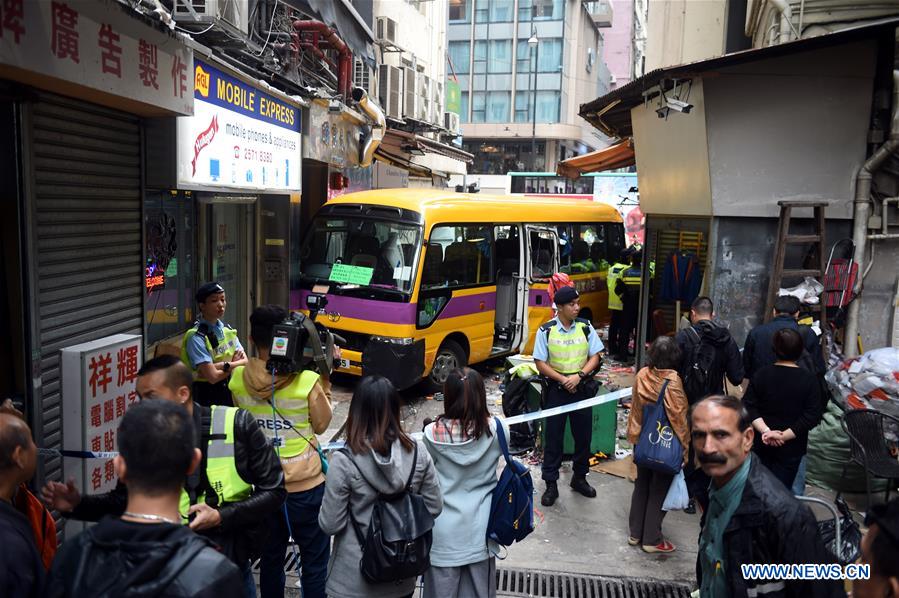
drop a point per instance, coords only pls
(345, 57)
(372, 140)
(862, 210)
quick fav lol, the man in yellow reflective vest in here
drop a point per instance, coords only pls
(228, 498)
(211, 348)
(615, 303)
(628, 288)
(291, 409)
(566, 353)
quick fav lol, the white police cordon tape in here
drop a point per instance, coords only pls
(333, 446)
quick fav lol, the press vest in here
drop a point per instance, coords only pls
(293, 405)
(223, 352)
(613, 276)
(567, 352)
(221, 468)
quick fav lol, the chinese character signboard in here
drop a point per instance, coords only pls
(98, 386)
(332, 138)
(239, 136)
(95, 45)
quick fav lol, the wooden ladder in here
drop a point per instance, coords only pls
(784, 238)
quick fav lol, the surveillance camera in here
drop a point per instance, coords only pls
(678, 105)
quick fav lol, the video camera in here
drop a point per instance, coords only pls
(293, 348)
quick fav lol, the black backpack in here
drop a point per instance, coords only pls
(515, 402)
(697, 375)
(397, 545)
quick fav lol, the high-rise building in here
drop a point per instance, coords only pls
(524, 67)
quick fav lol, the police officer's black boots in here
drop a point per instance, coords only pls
(550, 494)
(579, 484)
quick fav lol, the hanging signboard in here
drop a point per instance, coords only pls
(94, 45)
(239, 136)
(98, 386)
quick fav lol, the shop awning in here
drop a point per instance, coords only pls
(615, 156)
(415, 153)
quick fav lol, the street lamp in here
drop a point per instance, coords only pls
(534, 43)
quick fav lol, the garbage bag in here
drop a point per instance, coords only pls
(828, 451)
(677, 498)
(850, 538)
(807, 292)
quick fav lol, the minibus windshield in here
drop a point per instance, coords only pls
(361, 256)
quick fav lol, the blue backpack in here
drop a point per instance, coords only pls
(658, 447)
(512, 507)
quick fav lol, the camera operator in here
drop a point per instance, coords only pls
(290, 408)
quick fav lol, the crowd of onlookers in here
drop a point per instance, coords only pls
(740, 460)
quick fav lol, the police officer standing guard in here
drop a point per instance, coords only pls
(211, 348)
(566, 353)
(615, 302)
(628, 288)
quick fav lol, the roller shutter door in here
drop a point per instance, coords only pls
(84, 164)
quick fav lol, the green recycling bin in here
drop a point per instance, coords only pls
(605, 428)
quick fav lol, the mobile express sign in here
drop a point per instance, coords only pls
(239, 136)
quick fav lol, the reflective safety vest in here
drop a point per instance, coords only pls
(568, 352)
(292, 403)
(613, 276)
(632, 276)
(223, 352)
(221, 469)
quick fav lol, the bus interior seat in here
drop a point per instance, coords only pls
(363, 250)
(580, 250)
(507, 265)
(460, 262)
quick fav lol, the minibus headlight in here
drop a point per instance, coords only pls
(393, 340)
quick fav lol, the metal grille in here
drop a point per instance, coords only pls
(85, 196)
(355, 341)
(544, 584)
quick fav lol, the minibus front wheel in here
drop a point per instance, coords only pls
(449, 357)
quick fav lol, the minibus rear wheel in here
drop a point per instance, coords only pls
(449, 357)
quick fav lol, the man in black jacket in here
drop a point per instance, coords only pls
(147, 552)
(727, 355)
(758, 351)
(234, 521)
(750, 517)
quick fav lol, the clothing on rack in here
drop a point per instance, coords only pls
(682, 277)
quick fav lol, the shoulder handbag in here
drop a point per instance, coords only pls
(658, 447)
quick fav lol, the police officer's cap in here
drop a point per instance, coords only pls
(565, 295)
(210, 288)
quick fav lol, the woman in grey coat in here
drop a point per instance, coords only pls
(384, 453)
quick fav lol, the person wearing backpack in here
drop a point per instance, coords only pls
(464, 446)
(380, 462)
(708, 354)
(566, 353)
(659, 379)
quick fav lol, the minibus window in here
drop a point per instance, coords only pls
(458, 256)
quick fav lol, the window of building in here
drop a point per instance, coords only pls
(496, 157)
(523, 101)
(459, 11)
(481, 11)
(524, 56)
(549, 56)
(546, 10)
(480, 56)
(459, 53)
(548, 106)
(463, 102)
(501, 11)
(541, 247)
(169, 277)
(465, 257)
(478, 107)
(500, 59)
(498, 106)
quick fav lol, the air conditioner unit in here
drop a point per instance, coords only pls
(390, 91)
(411, 99)
(362, 75)
(452, 122)
(386, 29)
(424, 102)
(205, 12)
(436, 102)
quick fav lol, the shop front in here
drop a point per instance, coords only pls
(78, 81)
(220, 210)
